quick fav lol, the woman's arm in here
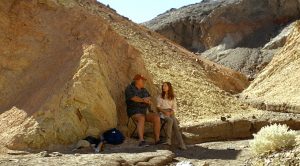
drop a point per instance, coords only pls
(166, 112)
(158, 101)
(159, 104)
(160, 110)
(174, 106)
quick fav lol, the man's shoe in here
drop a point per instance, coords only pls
(143, 144)
(159, 142)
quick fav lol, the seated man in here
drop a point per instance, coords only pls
(138, 104)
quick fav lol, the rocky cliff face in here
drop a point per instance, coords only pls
(277, 87)
(249, 61)
(64, 66)
(63, 72)
(247, 23)
(245, 60)
(222, 25)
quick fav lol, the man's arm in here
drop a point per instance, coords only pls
(138, 99)
(131, 95)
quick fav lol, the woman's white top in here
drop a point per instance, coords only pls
(166, 103)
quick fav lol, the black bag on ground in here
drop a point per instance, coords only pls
(92, 140)
(113, 136)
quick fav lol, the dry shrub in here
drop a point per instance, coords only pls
(272, 138)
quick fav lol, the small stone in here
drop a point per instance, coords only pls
(195, 73)
(14, 160)
(163, 65)
(223, 118)
(205, 164)
(55, 154)
(288, 154)
(44, 154)
(267, 161)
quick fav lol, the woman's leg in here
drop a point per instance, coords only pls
(170, 122)
(178, 133)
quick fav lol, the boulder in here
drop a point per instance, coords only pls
(63, 74)
(155, 158)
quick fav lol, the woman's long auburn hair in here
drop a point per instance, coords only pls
(171, 95)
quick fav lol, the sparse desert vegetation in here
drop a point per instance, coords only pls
(273, 138)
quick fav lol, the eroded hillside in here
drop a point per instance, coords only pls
(64, 66)
(198, 83)
(277, 87)
(233, 31)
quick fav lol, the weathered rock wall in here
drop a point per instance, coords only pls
(63, 73)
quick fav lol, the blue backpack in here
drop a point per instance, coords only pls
(113, 136)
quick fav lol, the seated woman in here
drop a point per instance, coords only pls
(166, 104)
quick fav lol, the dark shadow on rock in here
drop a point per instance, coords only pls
(195, 152)
(201, 153)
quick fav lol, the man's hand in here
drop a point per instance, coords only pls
(147, 100)
(141, 100)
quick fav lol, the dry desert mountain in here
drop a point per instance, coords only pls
(234, 33)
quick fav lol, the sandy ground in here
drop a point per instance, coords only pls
(214, 153)
(223, 153)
